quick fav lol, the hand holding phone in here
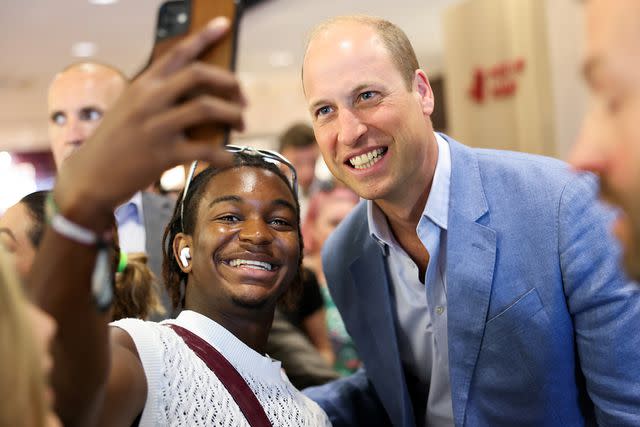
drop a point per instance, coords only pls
(179, 18)
(143, 134)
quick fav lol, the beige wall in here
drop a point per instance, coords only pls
(565, 22)
(542, 114)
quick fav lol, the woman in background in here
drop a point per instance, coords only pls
(26, 399)
(327, 209)
(21, 229)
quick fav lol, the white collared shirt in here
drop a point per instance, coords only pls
(130, 220)
(421, 308)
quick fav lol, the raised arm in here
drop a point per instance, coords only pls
(141, 136)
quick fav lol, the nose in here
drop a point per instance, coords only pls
(74, 131)
(255, 231)
(351, 127)
(591, 150)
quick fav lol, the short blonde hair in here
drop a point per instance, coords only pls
(22, 381)
(393, 38)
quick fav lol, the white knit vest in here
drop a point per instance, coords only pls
(182, 390)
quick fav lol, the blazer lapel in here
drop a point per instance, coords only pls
(471, 254)
(371, 322)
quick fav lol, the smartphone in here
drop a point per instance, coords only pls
(179, 18)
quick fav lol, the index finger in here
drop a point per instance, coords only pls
(188, 49)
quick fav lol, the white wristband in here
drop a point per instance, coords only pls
(73, 231)
(70, 229)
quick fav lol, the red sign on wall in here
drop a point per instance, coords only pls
(497, 81)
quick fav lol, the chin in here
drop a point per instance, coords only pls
(250, 303)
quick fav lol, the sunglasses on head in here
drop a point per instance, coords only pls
(270, 156)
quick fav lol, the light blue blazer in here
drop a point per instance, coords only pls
(543, 327)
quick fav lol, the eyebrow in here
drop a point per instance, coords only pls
(276, 202)
(91, 108)
(284, 203)
(225, 199)
(8, 233)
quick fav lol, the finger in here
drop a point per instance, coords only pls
(215, 156)
(203, 78)
(200, 110)
(189, 48)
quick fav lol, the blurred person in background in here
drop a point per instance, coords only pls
(78, 98)
(298, 144)
(299, 337)
(26, 332)
(136, 288)
(21, 228)
(609, 144)
(327, 208)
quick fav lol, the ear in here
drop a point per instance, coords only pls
(180, 242)
(422, 88)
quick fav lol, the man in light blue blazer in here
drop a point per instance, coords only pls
(481, 287)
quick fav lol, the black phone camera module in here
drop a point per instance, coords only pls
(173, 19)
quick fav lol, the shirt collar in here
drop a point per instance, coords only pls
(137, 200)
(130, 210)
(436, 208)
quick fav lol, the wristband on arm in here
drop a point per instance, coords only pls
(102, 277)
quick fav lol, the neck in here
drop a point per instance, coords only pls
(403, 210)
(249, 325)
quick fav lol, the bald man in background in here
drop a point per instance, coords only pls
(609, 144)
(78, 97)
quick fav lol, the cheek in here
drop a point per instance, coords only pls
(55, 134)
(290, 247)
(90, 126)
(625, 155)
(325, 137)
(211, 240)
(24, 261)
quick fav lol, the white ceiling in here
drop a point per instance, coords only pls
(38, 35)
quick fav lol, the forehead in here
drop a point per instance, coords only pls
(17, 219)
(612, 31)
(86, 86)
(250, 184)
(351, 51)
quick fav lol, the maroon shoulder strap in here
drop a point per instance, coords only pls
(230, 378)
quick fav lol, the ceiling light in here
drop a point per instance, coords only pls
(83, 49)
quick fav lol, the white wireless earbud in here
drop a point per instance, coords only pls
(185, 256)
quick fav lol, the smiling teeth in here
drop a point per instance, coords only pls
(251, 264)
(366, 160)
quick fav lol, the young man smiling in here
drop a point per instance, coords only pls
(480, 287)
